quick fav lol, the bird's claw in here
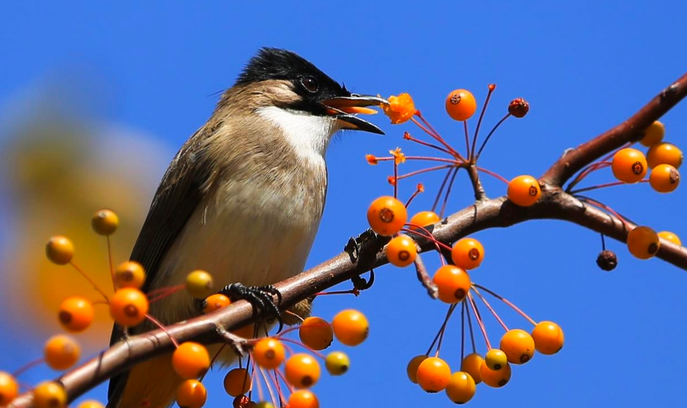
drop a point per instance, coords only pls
(237, 343)
(261, 297)
(359, 283)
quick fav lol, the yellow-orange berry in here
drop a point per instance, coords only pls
(664, 178)
(49, 394)
(199, 284)
(75, 314)
(129, 274)
(629, 165)
(433, 374)
(664, 153)
(495, 378)
(191, 394)
(461, 387)
(467, 253)
(453, 283)
(268, 353)
(400, 108)
(495, 359)
(61, 352)
(518, 346)
(9, 389)
(303, 399)
(643, 242)
(653, 134)
(105, 222)
(460, 105)
(316, 333)
(412, 367)
(302, 370)
(386, 215)
(190, 360)
(471, 364)
(670, 237)
(548, 338)
(128, 307)
(524, 191)
(59, 250)
(95, 404)
(423, 219)
(237, 382)
(350, 327)
(216, 301)
(401, 251)
(337, 363)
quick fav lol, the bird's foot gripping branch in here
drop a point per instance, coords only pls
(560, 193)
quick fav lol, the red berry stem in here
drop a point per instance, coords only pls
(467, 138)
(479, 152)
(491, 173)
(587, 171)
(109, 256)
(479, 321)
(462, 331)
(269, 386)
(95, 286)
(448, 192)
(603, 206)
(492, 87)
(441, 190)
(395, 178)
(440, 333)
(507, 302)
(491, 309)
(162, 327)
(439, 139)
(418, 190)
(164, 292)
(598, 186)
(353, 291)
(27, 367)
(298, 343)
(427, 170)
(472, 332)
(407, 136)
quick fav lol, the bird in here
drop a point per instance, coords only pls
(242, 198)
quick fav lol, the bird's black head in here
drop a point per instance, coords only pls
(319, 94)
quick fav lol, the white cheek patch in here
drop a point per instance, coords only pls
(308, 134)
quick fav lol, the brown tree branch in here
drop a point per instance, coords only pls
(484, 214)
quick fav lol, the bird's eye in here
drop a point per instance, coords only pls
(310, 84)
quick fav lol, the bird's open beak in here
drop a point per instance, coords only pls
(345, 108)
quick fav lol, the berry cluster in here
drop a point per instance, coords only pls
(287, 375)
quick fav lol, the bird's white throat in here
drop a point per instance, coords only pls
(308, 134)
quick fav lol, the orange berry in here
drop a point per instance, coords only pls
(548, 337)
(412, 367)
(350, 327)
(461, 387)
(653, 134)
(59, 250)
(471, 364)
(460, 105)
(371, 159)
(61, 352)
(75, 314)
(423, 219)
(216, 301)
(629, 165)
(518, 346)
(316, 333)
(105, 222)
(191, 394)
(129, 275)
(664, 153)
(337, 363)
(94, 404)
(199, 284)
(495, 378)
(467, 253)
(9, 389)
(495, 359)
(669, 236)
(664, 178)
(302, 370)
(400, 108)
(190, 360)
(433, 374)
(524, 191)
(643, 242)
(268, 353)
(453, 283)
(128, 307)
(49, 394)
(237, 382)
(303, 399)
(387, 215)
(401, 251)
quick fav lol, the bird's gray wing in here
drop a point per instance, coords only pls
(183, 186)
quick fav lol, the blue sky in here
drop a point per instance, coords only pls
(583, 66)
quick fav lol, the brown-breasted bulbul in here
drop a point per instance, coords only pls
(242, 198)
